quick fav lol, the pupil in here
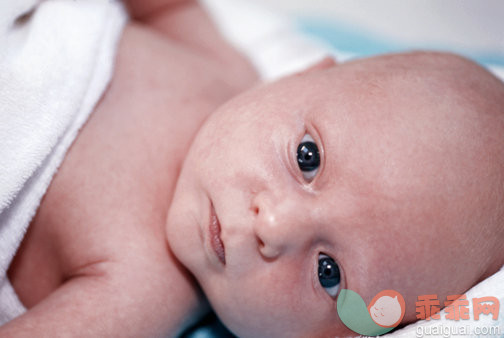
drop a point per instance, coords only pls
(308, 156)
(328, 272)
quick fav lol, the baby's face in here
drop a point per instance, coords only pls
(350, 177)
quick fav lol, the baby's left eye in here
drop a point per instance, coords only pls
(329, 274)
(308, 157)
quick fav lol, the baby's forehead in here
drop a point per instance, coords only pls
(416, 69)
(405, 122)
(438, 83)
(403, 103)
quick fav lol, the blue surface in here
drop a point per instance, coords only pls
(209, 327)
(357, 41)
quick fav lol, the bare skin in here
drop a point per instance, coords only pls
(95, 261)
(408, 194)
(387, 176)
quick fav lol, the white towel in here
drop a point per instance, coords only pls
(485, 326)
(56, 59)
(270, 40)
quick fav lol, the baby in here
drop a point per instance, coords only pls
(381, 173)
(388, 169)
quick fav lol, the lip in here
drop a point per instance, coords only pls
(214, 230)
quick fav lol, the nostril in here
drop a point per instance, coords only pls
(260, 243)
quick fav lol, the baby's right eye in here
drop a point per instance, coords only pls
(328, 274)
(308, 157)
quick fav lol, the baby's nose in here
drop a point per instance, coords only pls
(278, 224)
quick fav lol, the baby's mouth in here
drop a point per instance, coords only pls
(215, 240)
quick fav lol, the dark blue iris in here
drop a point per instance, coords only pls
(308, 156)
(328, 272)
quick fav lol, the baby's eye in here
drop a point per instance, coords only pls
(308, 157)
(328, 274)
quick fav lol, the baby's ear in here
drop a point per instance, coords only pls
(326, 62)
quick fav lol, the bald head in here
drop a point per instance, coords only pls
(423, 145)
(447, 114)
(419, 141)
(411, 170)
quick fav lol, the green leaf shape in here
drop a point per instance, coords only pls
(354, 314)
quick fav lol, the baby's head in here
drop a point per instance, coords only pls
(406, 192)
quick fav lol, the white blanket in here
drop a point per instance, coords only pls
(271, 41)
(56, 59)
(484, 326)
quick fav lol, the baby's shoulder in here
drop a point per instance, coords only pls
(105, 208)
(104, 213)
(96, 218)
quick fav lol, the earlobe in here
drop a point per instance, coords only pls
(326, 62)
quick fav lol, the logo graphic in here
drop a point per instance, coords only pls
(428, 307)
(386, 310)
(384, 313)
